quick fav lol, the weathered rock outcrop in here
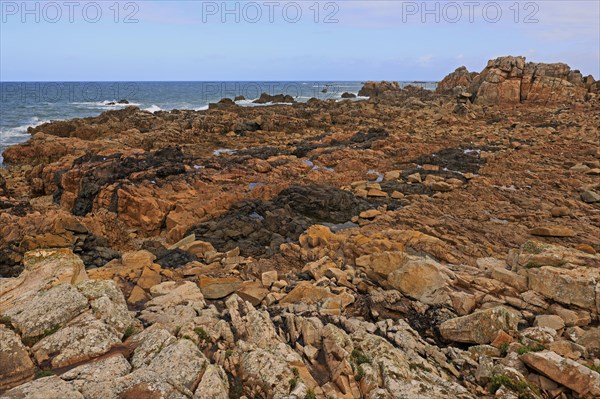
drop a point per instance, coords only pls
(456, 82)
(510, 80)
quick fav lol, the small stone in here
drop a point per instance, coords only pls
(588, 249)
(456, 183)
(372, 176)
(268, 278)
(560, 211)
(234, 253)
(574, 333)
(262, 166)
(270, 299)
(511, 278)
(338, 274)
(311, 352)
(149, 278)
(397, 195)
(552, 231)
(431, 168)
(551, 321)
(590, 197)
(414, 178)
(361, 193)
(568, 349)
(591, 341)
(370, 214)
(580, 168)
(218, 287)
(280, 284)
(137, 295)
(317, 268)
(183, 242)
(477, 352)
(253, 292)
(568, 316)
(501, 339)
(138, 259)
(373, 192)
(198, 248)
(440, 186)
(392, 175)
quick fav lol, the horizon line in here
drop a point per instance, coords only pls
(214, 81)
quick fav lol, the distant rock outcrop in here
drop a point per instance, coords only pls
(277, 98)
(508, 80)
(376, 89)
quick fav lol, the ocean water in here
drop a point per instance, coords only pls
(29, 104)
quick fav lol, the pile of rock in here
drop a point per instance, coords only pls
(527, 323)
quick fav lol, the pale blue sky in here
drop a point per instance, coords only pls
(186, 40)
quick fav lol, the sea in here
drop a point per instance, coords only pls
(30, 104)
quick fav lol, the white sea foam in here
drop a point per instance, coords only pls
(153, 108)
(6, 134)
(104, 104)
(379, 175)
(316, 167)
(250, 103)
(244, 102)
(223, 151)
(16, 135)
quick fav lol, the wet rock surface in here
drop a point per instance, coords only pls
(404, 245)
(258, 228)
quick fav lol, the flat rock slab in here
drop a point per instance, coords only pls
(553, 231)
(44, 268)
(481, 327)
(566, 372)
(219, 287)
(15, 365)
(47, 310)
(44, 388)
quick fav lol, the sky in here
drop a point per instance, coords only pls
(287, 40)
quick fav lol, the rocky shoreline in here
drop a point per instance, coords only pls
(417, 244)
